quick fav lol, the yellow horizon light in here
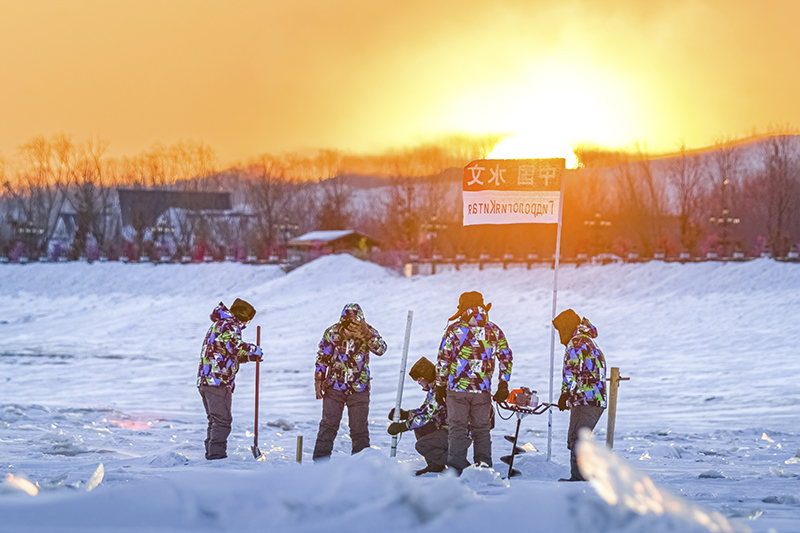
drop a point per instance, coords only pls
(534, 147)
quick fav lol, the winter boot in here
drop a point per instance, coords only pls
(430, 468)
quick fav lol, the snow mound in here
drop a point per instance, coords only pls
(343, 267)
(783, 499)
(483, 475)
(103, 279)
(670, 451)
(624, 487)
(282, 424)
(170, 459)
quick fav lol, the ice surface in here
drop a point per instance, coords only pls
(99, 365)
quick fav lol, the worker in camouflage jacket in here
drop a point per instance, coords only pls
(464, 369)
(341, 378)
(583, 387)
(222, 353)
(429, 421)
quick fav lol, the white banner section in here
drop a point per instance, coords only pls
(512, 191)
(510, 207)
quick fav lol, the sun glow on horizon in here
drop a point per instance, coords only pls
(564, 98)
(531, 146)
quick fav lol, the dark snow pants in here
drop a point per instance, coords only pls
(433, 447)
(580, 416)
(217, 401)
(333, 404)
(469, 413)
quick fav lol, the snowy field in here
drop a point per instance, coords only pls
(98, 404)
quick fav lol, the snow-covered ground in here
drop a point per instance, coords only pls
(99, 362)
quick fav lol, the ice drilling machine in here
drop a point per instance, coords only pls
(521, 402)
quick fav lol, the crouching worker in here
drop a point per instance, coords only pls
(223, 351)
(429, 421)
(341, 378)
(583, 387)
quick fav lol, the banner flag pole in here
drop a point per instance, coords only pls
(401, 380)
(552, 328)
(518, 191)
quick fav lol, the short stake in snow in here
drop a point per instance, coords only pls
(612, 404)
(254, 449)
(300, 449)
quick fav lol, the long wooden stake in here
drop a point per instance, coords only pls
(400, 380)
(612, 404)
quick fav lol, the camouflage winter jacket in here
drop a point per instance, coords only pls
(342, 363)
(223, 350)
(466, 355)
(430, 412)
(584, 375)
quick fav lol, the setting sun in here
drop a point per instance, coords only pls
(533, 147)
(557, 98)
(253, 77)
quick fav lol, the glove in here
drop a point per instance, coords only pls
(562, 401)
(403, 414)
(319, 388)
(256, 354)
(502, 392)
(441, 394)
(397, 427)
(359, 329)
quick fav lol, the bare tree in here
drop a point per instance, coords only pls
(5, 212)
(642, 197)
(335, 194)
(780, 183)
(724, 172)
(270, 195)
(303, 203)
(45, 170)
(401, 206)
(685, 173)
(91, 196)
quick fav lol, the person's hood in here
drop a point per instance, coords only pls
(586, 328)
(221, 312)
(352, 310)
(476, 316)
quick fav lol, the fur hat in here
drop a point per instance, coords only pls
(243, 310)
(566, 323)
(470, 299)
(423, 369)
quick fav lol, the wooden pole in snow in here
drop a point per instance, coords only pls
(612, 404)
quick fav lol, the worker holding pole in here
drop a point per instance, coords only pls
(429, 421)
(222, 352)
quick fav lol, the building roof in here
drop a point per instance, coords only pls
(149, 204)
(323, 236)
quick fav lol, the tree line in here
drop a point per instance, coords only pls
(274, 196)
(737, 194)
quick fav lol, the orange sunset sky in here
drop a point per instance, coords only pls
(248, 77)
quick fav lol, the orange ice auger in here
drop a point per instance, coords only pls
(522, 402)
